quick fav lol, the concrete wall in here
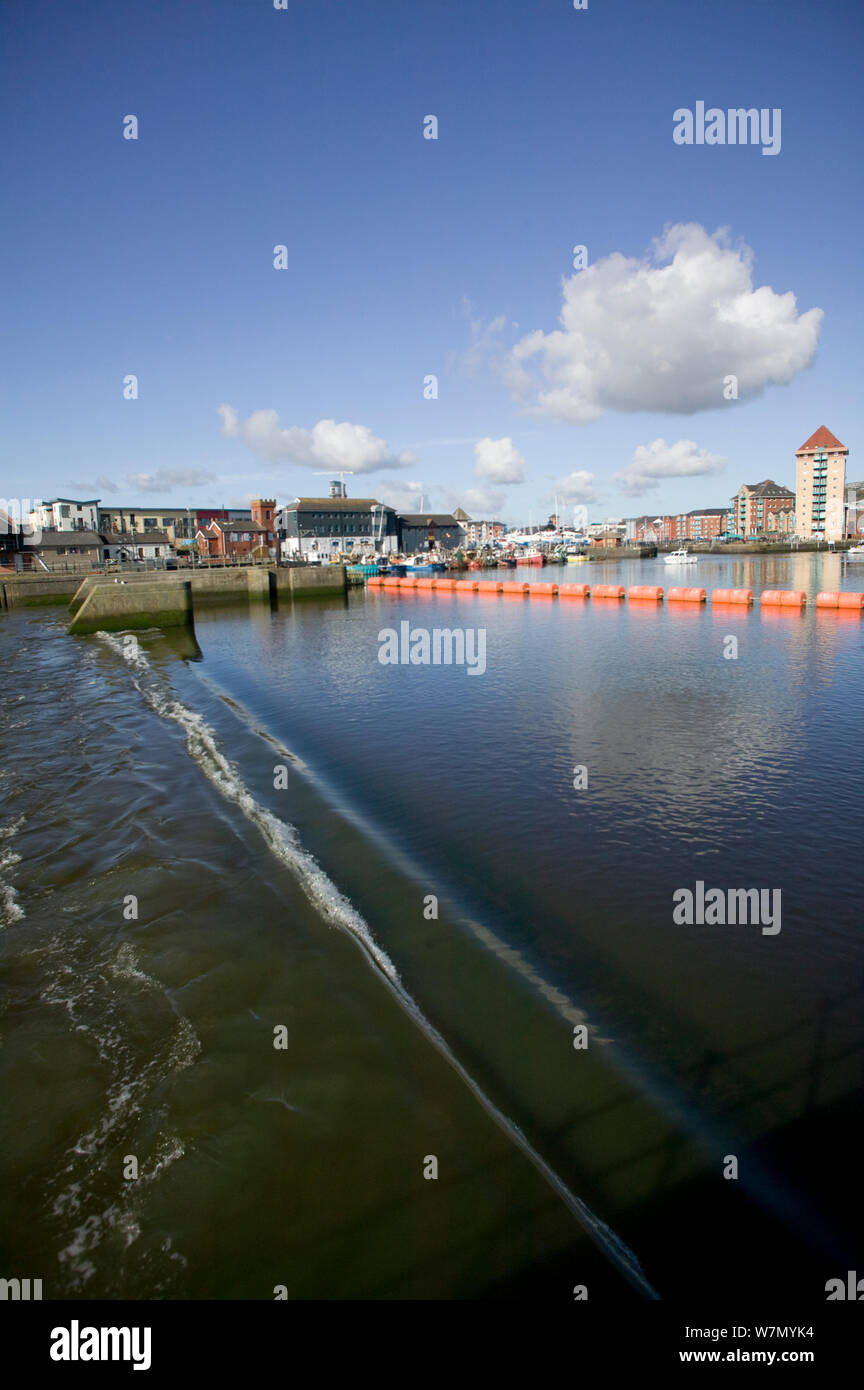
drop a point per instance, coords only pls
(225, 585)
(26, 592)
(300, 581)
(112, 607)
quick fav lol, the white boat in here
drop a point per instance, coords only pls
(856, 552)
(680, 557)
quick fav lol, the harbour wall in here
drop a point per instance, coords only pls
(111, 607)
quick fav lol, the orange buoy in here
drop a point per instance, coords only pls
(407, 582)
(732, 596)
(830, 599)
(424, 582)
(445, 583)
(374, 581)
(392, 581)
(514, 586)
(647, 591)
(784, 598)
(608, 591)
(574, 590)
(467, 586)
(488, 586)
(549, 589)
(685, 595)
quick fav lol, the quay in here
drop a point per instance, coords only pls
(107, 602)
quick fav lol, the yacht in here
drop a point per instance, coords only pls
(680, 557)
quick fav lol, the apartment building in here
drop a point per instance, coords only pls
(820, 485)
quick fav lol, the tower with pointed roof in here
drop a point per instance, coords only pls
(820, 487)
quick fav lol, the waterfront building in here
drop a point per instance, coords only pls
(483, 532)
(705, 523)
(752, 505)
(71, 549)
(422, 532)
(820, 483)
(226, 538)
(319, 527)
(141, 545)
(65, 514)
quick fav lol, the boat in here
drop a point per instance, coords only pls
(855, 552)
(577, 559)
(530, 557)
(680, 557)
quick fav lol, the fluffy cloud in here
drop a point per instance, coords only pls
(482, 503)
(658, 460)
(405, 497)
(577, 489)
(326, 445)
(662, 332)
(498, 461)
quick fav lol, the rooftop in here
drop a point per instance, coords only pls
(334, 504)
(822, 439)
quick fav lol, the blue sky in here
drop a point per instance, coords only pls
(409, 257)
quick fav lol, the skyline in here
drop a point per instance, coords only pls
(409, 257)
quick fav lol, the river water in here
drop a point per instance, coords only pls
(266, 836)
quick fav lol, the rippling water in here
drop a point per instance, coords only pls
(198, 847)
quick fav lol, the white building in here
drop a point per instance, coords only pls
(65, 514)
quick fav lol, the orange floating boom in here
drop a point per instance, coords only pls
(574, 590)
(829, 599)
(551, 590)
(732, 596)
(783, 598)
(684, 595)
(646, 591)
(489, 586)
(514, 586)
(608, 591)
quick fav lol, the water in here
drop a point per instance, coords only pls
(282, 807)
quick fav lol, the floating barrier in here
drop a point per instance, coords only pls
(445, 583)
(574, 590)
(840, 600)
(732, 596)
(783, 598)
(376, 581)
(407, 582)
(608, 591)
(467, 586)
(653, 592)
(514, 586)
(488, 586)
(685, 595)
(425, 582)
(551, 590)
(391, 581)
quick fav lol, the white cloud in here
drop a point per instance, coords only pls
(658, 460)
(482, 503)
(326, 445)
(662, 332)
(405, 497)
(576, 489)
(499, 461)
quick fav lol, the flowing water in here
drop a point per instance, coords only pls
(264, 835)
